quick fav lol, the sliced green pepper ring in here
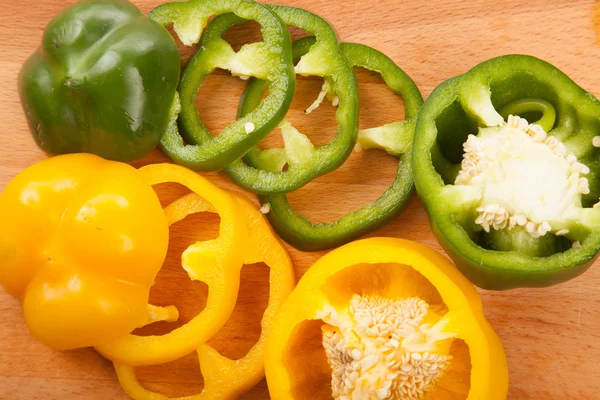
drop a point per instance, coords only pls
(256, 172)
(511, 202)
(396, 138)
(215, 262)
(270, 60)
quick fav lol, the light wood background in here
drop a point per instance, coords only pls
(551, 336)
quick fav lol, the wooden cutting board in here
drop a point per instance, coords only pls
(551, 336)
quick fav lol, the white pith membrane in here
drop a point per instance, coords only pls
(297, 147)
(326, 91)
(388, 137)
(527, 179)
(381, 348)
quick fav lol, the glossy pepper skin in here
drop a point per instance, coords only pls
(270, 59)
(83, 239)
(455, 109)
(225, 378)
(396, 138)
(216, 262)
(257, 171)
(102, 82)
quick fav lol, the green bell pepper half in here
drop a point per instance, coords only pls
(102, 82)
(396, 138)
(462, 106)
(270, 60)
(261, 170)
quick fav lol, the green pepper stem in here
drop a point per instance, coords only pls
(523, 106)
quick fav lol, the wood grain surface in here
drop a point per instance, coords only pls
(551, 336)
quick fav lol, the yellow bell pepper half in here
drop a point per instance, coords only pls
(384, 318)
(83, 239)
(225, 378)
(216, 262)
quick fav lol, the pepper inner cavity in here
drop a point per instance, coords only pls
(383, 348)
(527, 178)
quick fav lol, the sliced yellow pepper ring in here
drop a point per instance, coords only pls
(384, 318)
(216, 262)
(225, 378)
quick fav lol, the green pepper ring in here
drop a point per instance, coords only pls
(208, 153)
(470, 100)
(299, 231)
(324, 59)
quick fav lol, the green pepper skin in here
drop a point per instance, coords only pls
(454, 110)
(520, 275)
(325, 60)
(270, 60)
(102, 82)
(298, 230)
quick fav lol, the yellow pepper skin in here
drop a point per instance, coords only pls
(295, 361)
(224, 378)
(215, 262)
(83, 239)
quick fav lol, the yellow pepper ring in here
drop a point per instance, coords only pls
(224, 255)
(225, 378)
(344, 297)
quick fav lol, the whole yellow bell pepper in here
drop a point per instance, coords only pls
(384, 318)
(83, 239)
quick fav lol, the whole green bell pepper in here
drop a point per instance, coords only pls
(102, 82)
(512, 203)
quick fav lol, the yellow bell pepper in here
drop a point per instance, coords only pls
(83, 239)
(384, 318)
(216, 262)
(225, 378)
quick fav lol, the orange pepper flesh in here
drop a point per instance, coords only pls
(83, 240)
(216, 262)
(225, 378)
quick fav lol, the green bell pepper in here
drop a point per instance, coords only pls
(102, 82)
(396, 138)
(270, 60)
(261, 171)
(512, 203)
